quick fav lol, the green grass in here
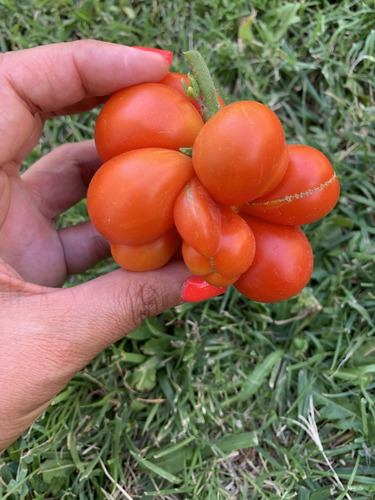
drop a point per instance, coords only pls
(229, 399)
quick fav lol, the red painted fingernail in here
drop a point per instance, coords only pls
(164, 53)
(196, 289)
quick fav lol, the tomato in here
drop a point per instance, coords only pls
(240, 153)
(232, 211)
(174, 80)
(148, 256)
(131, 197)
(197, 263)
(282, 265)
(308, 191)
(198, 218)
(146, 115)
(235, 253)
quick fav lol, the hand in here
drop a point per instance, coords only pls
(47, 334)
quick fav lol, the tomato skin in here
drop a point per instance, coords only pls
(174, 81)
(308, 191)
(148, 256)
(197, 263)
(198, 218)
(282, 265)
(216, 279)
(131, 197)
(234, 255)
(143, 116)
(237, 245)
(240, 153)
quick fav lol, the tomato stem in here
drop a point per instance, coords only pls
(187, 151)
(204, 80)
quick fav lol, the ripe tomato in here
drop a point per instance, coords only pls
(148, 256)
(235, 253)
(131, 197)
(240, 153)
(308, 191)
(232, 211)
(282, 265)
(146, 115)
(198, 218)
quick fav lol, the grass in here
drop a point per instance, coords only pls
(229, 399)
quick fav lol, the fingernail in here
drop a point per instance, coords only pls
(164, 53)
(196, 289)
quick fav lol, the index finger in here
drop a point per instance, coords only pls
(52, 79)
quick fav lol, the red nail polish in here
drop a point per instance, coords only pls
(196, 289)
(164, 53)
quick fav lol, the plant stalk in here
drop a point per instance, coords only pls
(205, 82)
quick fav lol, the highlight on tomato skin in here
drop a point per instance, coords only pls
(282, 265)
(308, 191)
(145, 115)
(148, 256)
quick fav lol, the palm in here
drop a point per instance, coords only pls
(29, 241)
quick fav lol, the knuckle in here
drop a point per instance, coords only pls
(145, 301)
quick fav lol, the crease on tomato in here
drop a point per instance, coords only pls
(291, 197)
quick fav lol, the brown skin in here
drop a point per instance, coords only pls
(48, 334)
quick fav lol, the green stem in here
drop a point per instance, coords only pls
(206, 85)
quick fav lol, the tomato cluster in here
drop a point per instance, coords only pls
(233, 209)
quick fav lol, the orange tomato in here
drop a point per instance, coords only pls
(143, 116)
(308, 191)
(282, 265)
(240, 153)
(131, 197)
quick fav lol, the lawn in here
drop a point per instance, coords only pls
(229, 399)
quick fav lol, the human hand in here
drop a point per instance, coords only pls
(48, 334)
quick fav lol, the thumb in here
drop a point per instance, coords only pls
(50, 334)
(105, 309)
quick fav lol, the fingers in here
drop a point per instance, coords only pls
(117, 303)
(83, 247)
(44, 81)
(60, 330)
(60, 179)
(48, 335)
(53, 77)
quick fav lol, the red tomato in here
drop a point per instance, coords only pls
(174, 80)
(148, 256)
(234, 255)
(240, 153)
(143, 116)
(308, 191)
(282, 265)
(198, 218)
(131, 197)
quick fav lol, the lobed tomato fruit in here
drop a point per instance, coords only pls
(148, 256)
(232, 211)
(234, 255)
(240, 153)
(143, 116)
(308, 191)
(126, 210)
(198, 218)
(282, 265)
